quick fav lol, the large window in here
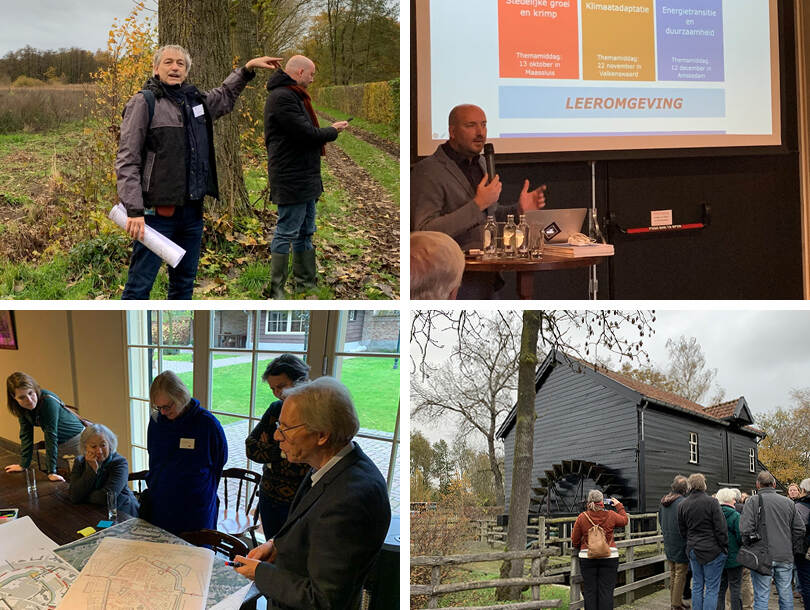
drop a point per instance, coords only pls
(221, 356)
(694, 454)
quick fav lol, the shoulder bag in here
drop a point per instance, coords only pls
(754, 553)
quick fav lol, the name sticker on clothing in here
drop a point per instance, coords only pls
(198, 110)
(186, 443)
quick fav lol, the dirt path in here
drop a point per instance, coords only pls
(376, 218)
(392, 148)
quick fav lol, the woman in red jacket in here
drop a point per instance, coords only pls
(598, 574)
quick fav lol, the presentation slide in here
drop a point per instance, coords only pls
(601, 75)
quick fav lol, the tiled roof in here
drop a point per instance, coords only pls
(723, 409)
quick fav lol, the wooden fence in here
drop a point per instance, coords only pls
(629, 565)
(538, 560)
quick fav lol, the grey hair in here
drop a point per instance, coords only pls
(171, 385)
(326, 406)
(173, 47)
(725, 495)
(766, 479)
(697, 482)
(437, 264)
(737, 494)
(101, 431)
(679, 484)
(595, 496)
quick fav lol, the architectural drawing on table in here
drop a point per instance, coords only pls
(36, 582)
(147, 575)
(225, 582)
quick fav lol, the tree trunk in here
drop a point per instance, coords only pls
(202, 27)
(523, 459)
(496, 471)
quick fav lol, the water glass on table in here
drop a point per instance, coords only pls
(112, 505)
(31, 480)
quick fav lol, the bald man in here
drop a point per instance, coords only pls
(295, 144)
(450, 194)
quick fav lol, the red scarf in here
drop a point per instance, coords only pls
(302, 93)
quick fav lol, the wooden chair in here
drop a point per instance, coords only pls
(234, 516)
(140, 482)
(220, 542)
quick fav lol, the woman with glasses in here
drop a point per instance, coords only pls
(280, 478)
(187, 451)
(35, 407)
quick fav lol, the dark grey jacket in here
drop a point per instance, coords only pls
(702, 524)
(151, 157)
(783, 526)
(674, 544)
(87, 486)
(442, 200)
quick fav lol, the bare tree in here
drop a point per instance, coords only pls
(202, 27)
(688, 372)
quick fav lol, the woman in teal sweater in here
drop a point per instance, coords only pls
(34, 406)
(732, 574)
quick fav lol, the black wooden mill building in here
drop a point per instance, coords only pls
(601, 429)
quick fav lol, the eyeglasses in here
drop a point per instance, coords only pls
(283, 430)
(163, 408)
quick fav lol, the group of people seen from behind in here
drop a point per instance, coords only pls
(323, 503)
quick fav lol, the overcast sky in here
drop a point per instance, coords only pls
(761, 355)
(54, 24)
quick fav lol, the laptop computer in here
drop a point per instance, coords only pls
(557, 224)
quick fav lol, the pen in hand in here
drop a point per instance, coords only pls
(234, 564)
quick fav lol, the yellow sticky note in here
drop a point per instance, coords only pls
(86, 531)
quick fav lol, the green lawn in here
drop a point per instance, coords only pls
(386, 132)
(373, 383)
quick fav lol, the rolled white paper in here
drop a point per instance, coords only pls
(161, 245)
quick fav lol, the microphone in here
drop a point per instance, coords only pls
(489, 159)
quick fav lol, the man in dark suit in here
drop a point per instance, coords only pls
(340, 515)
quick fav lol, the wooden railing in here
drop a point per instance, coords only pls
(629, 565)
(538, 559)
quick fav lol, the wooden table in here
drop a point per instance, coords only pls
(526, 268)
(51, 509)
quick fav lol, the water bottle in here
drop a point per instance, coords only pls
(522, 238)
(490, 238)
(509, 236)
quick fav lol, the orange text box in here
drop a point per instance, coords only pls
(618, 40)
(538, 39)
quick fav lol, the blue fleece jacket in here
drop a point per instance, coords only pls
(186, 457)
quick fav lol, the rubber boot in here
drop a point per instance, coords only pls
(304, 270)
(278, 274)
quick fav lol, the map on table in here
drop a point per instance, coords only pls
(146, 575)
(224, 582)
(31, 576)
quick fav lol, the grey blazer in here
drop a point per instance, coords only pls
(332, 536)
(442, 200)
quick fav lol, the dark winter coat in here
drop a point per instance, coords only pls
(674, 544)
(701, 523)
(153, 159)
(293, 144)
(803, 510)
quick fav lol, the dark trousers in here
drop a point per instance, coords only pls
(731, 579)
(273, 515)
(598, 582)
(803, 572)
(184, 228)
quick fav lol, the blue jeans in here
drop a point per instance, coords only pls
(706, 581)
(184, 228)
(782, 575)
(296, 225)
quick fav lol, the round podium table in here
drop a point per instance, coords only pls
(526, 268)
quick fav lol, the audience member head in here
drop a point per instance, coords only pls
(765, 479)
(680, 485)
(98, 439)
(793, 491)
(805, 486)
(301, 69)
(743, 497)
(168, 395)
(467, 126)
(737, 495)
(437, 264)
(596, 500)
(284, 372)
(697, 482)
(22, 392)
(726, 496)
(171, 63)
(325, 408)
